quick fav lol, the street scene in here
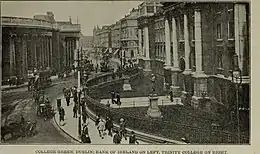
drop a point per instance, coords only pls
(150, 72)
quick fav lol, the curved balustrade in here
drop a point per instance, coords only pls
(173, 130)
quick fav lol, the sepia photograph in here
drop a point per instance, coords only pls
(126, 73)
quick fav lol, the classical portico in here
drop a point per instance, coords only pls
(30, 44)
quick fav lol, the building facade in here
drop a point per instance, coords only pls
(129, 34)
(30, 44)
(102, 38)
(200, 49)
(146, 10)
(86, 42)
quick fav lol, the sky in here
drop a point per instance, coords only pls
(89, 13)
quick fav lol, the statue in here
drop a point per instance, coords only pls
(153, 78)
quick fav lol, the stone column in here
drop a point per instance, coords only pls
(140, 42)
(167, 44)
(198, 45)
(75, 52)
(240, 27)
(175, 69)
(147, 67)
(48, 51)
(51, 52)
(187, 46)
(12, 55)
(200, 78)
(68, 54)
(35, 52)
(41, 52)
(24, 57)
(187, 71)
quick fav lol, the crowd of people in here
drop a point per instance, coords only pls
(104, 126)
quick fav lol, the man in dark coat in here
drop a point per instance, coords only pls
(117, 138)
(85, 136)
(75, 109)
(118, 102)
(171, 96)
(62, 114)
(109, 125)
(132, 138)
(97, 120)
(113, 97)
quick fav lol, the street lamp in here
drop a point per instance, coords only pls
(236, 75)
(79, 91)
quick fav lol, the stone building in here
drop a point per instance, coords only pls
(116, 38)
(33, 43)
(146, 10)
(129, 34)
(102, 38)
(199, 45)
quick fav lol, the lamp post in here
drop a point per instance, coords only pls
(236, 75)
(79, 91)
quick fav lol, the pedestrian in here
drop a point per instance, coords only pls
(132, 138)
(62, 114)
(117, 138)
(97, 120)
(84, 117)
(109, 125)
(85, 138)
(123, 128)
(101, 128)
(75, 109)
(74, 93)
(171, 95)
(118, 102)
(112, 96)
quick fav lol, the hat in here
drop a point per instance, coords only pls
(121, 119)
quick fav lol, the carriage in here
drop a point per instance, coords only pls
(40, 80)
(44, 108)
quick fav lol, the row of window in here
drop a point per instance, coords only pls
(160, 36)
(159, 24)
(131, 32)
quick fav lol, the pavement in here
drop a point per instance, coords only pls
(142, 102)
(7, 87)
(70, 127)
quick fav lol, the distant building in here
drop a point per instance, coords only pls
(129, 34)
(86, 42)
(102, 38)
(116, 38)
